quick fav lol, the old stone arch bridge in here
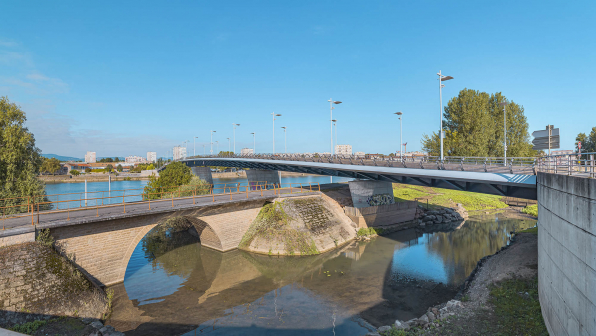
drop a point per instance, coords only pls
(103, 247)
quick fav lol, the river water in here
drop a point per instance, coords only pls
(104, 193)
(174, 286)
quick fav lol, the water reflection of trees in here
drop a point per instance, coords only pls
(461, 249)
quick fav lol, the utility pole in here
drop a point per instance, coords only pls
(504, 104)
(285, 141)
(399, 114)
(254, 143)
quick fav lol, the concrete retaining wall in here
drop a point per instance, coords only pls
(567, 253)
(268, 176)
(204, 173)
(371, 193)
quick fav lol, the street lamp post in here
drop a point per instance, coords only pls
(212, 142)
(285, 140)
(399, 114)
(331, 102)
(274, 115)
(335, 125)
(504, 104)
(253, 144)
(217, 144)
(235, 136)
(204, 149)
(194, 146)
(228, 145)
(185, 148)
(441, 133)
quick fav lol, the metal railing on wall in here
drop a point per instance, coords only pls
(45, 205)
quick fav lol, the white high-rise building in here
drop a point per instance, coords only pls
(179, 152)
(343, 149)
(151, 156)
(90, 157)
(246, 151)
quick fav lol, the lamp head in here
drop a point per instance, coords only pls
(336, 102)
(398, 113)
(278, 115)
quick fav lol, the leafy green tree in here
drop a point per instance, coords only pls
(119, 168)
(109, 168)
(150, 167)
(87, 170)
(173, 176)
(588, 142)
(51, 165)
(20, 160)
(225, 154)
(116, 159)
(75, 172)
(473, 123)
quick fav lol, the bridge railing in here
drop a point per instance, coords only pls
(44, 207)
(583, 165)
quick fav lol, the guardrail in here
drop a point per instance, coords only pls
(569, 164)
(37, 207)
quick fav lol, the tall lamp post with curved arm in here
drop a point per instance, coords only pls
(441, 86)
(235, 125)
(285, 140)
(274, 115)
(212, 142)
(254, 143)
(331, 108)
(400, 132)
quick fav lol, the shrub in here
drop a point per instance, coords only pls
(531, 210)
(362, 232)
(75, 172)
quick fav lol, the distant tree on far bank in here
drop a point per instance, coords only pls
(20, 160)
(109, 168)
(473, 123)
(50, 165)
(119, 168)
(75, 172)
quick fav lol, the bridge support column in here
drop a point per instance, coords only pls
(204, 173)
(370, 193)
(258, 176)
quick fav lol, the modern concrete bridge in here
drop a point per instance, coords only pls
(494, 179)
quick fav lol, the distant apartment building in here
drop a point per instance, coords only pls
(246, 151)
(135, 159)
(152, 156)
(90, 157)
(343, 149)
(179, 152)
(360, 154)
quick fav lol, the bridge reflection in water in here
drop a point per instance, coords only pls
(174, 286)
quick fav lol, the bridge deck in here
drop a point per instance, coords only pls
(51, 219)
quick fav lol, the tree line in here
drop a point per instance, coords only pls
(473, 123)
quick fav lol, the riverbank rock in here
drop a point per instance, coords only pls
(298, 226)
(445, 215)
(37, 283)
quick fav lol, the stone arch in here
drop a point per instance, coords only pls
(206, 235)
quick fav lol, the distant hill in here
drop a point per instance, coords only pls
(61, 158)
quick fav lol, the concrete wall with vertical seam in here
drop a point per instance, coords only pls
(367, 193)
(204, 173)
(268, 176)
(567, 253)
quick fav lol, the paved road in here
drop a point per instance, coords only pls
(131, 209)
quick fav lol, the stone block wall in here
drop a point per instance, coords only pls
(371, 193)
(36, 282)
(567, 253)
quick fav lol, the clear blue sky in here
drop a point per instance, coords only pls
(127, 77)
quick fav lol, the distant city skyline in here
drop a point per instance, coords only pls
(92, 78)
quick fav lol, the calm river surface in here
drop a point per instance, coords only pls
(103, 192)
(173, 286)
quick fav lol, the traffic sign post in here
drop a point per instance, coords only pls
(546, 139)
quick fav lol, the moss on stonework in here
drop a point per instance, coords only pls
(273, 224)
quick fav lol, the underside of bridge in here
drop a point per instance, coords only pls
(512, 185)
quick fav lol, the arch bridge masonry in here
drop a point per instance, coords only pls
(103, 247)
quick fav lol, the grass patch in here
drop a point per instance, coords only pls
(517, 307)
(531, 210)
(29, 328)
(447, 198)
(533, 230)
(362, 232)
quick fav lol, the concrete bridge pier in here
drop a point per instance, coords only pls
(367, 193)
(204, 173)
(261, 177)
